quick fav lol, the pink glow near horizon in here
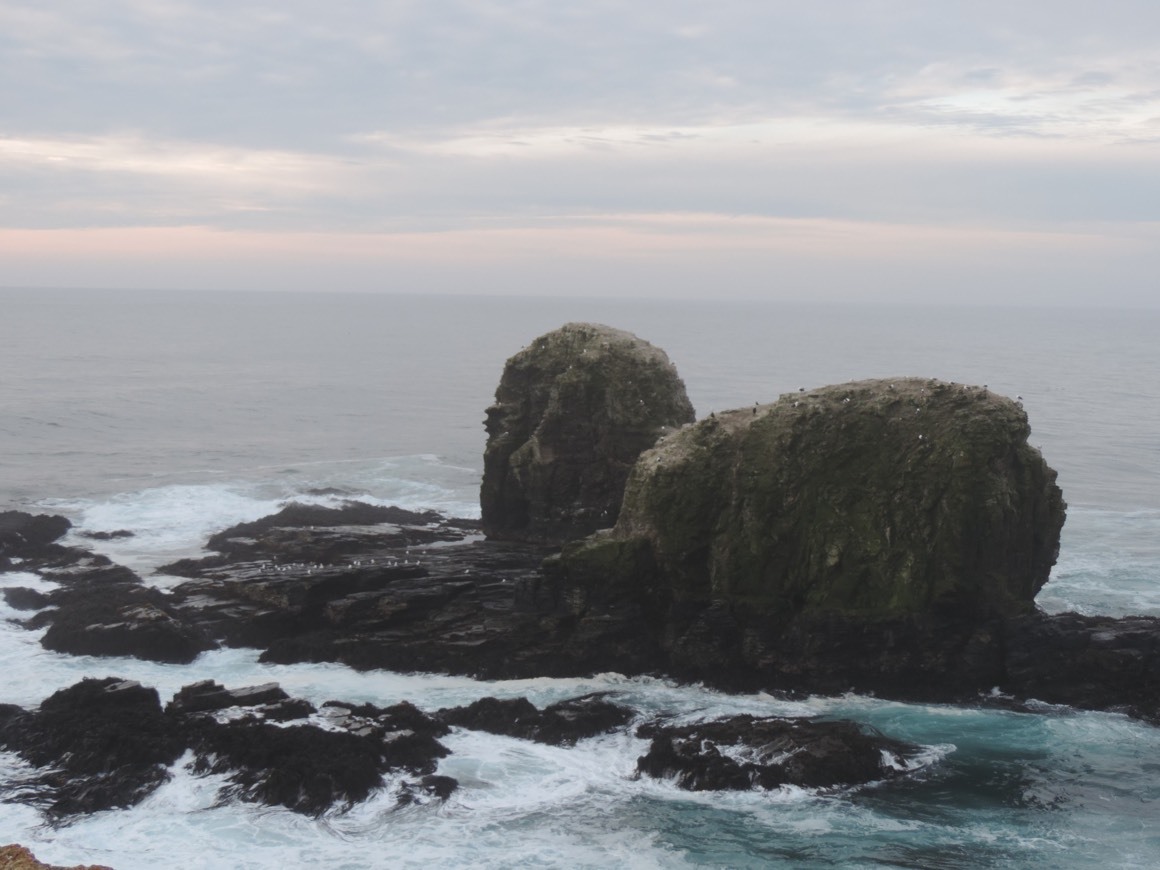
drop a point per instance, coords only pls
(651, 251)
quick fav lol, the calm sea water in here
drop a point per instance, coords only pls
(177, 414)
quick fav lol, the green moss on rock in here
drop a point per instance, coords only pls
(874, 498)
(572, 413)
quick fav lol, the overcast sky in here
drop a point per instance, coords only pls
(875, 150)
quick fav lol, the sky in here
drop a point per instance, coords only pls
(840, 150)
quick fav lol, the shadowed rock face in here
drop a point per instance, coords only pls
(572, 413)
(874, 499)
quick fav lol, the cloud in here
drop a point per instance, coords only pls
(408, 120)
(655, 255)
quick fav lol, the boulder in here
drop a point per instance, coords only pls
(101, 744)
(870, 500)
(748, 752)
(23, 598)
(559, 724)
(107, 611)
(23, 534)
(207, 695)
(572, 413)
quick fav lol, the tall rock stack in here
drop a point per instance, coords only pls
(572, 413)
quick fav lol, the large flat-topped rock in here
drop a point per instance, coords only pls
(878, 497)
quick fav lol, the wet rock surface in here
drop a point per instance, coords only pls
(105, 610)
(30, 540)
(746, 752)
(98, 745)
(437, 598)
(1090, 662)
(431, 597)
(572, 413)
(105, 744)
(560, 724)
(24, 534)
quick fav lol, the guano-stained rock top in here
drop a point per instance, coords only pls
(877, 497)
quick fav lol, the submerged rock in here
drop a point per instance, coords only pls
(560, 724)
(746, 752)
(572, 413)
(300, 767)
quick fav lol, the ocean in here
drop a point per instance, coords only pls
(177, 414)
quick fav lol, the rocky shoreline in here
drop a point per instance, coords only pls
(391, 594)
(880, 537)
(431, 595)
(428, 594)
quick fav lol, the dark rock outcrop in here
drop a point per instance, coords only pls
(878, 536)
(23, 534)
(300, 767)
(871, 536)
(17, 857)
(263, 535)
(108, 536)
(1090, 662)
(104, 744)
(560, 724)
(30, 540)
(486, 609)
(746, 752)
(101, 743)
(432, 786)
(572, 413)
(106, 611)
(23, 598)
(874, 499)
(206, 695)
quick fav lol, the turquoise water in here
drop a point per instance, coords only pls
(176, 415)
